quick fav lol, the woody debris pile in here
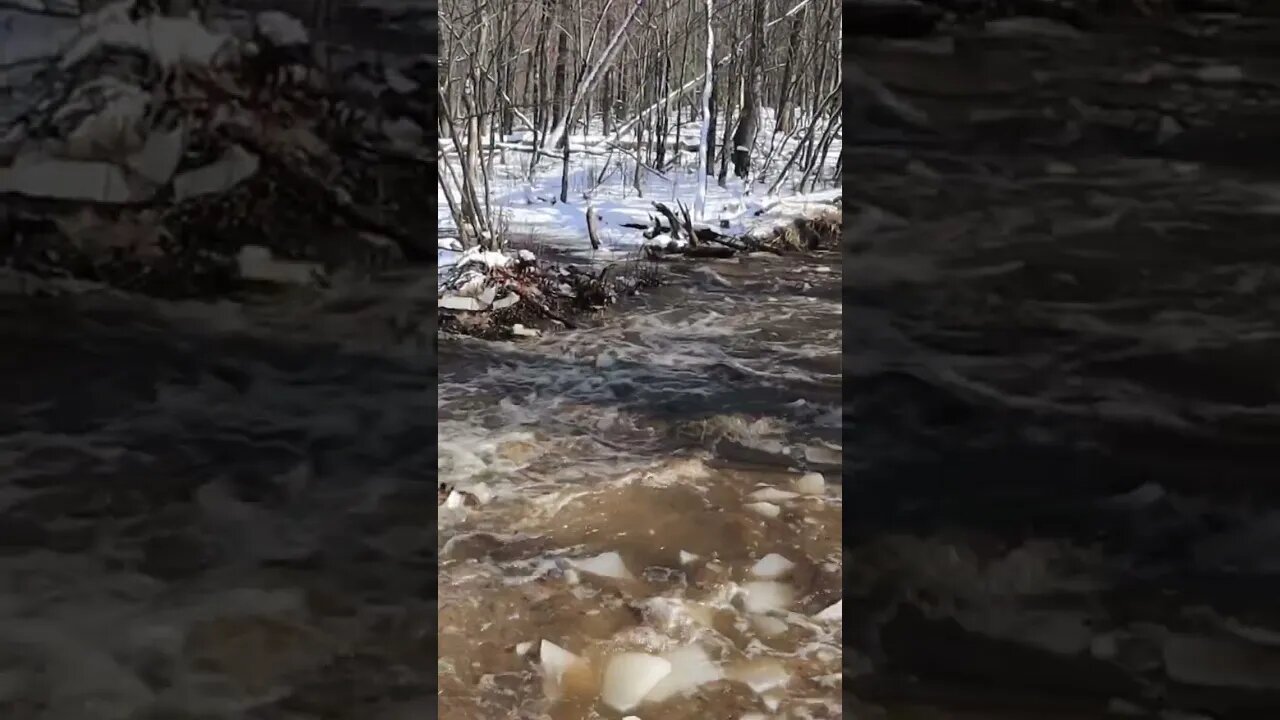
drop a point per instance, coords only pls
(162, 156)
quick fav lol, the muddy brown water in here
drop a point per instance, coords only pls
(645, 435)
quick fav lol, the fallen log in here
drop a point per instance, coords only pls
(672, 220)
(531, 298)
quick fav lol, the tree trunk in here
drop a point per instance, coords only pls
(708, 118)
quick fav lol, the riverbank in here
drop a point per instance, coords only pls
(517, 293)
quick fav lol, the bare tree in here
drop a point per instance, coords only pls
(681, 88)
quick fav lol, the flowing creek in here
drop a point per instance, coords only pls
(672, 433)
(217, 510)
(1063, 319)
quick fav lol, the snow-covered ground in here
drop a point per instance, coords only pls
(602, 178)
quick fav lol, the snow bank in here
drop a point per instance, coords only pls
(603, 178)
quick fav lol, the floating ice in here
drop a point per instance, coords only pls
(772, 495)
(631, 676)
(766, 596)
(555, 661)
(687, 557)
(768, 626)
(768, 510)
(607, 565)
(481, 492)
(832, 613)
(691, 667)
(761, 675)
(811, 484)
(523, 648)
(771, 566)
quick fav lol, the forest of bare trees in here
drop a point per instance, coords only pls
(640, 82)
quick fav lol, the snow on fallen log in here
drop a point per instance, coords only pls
(84, 180)
(231, 142)
(170, 42)
(235, 166)
(160, 155)
(281, 29)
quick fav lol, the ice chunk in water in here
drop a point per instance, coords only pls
(687, 557)
(768, 626)
(523, 648)
(833, 613)
(761, 675)
(481, 492)
(555, 660)
(631, 676)
(771, 566)
(772, 495)
(691, 667)
(811, 484)
(768, 510)
(766, 596)
(609, 565)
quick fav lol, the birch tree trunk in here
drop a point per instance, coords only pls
(700, 201)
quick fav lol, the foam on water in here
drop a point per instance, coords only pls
(642, 437)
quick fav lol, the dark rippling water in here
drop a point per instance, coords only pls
(1062, 424)
(207, 511)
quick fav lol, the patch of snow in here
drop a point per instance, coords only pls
(170, 41)
(280, 29)
(68, 180)
(235, 166)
